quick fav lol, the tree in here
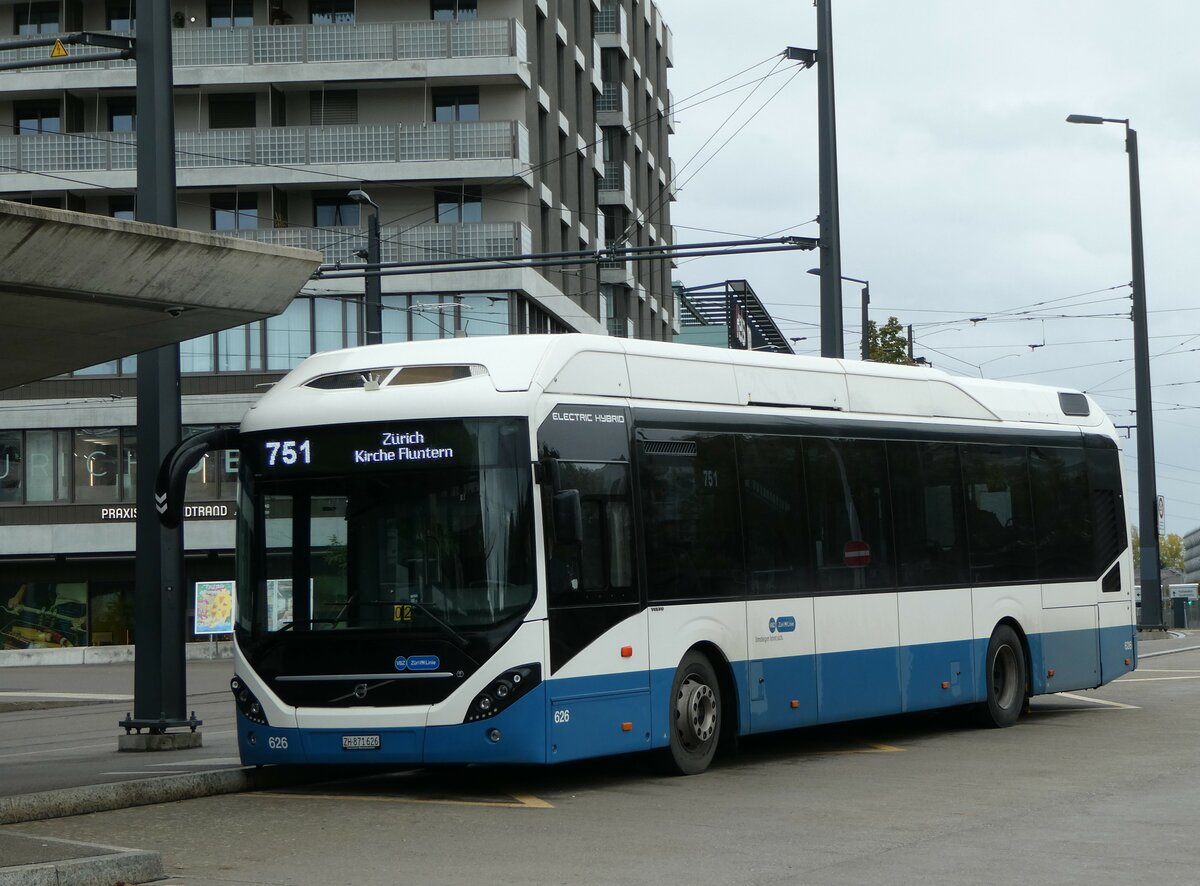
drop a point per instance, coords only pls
(888, 343)
(1170, 551)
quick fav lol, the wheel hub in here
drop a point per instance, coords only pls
(695, 713)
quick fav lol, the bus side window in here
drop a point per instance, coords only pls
(1062, 513)
(774, 515)
(693, 531)
(850, 513)
(999, 514)
(1109, 538)
(598, 568)
(927, 501)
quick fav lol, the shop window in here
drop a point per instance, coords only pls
(12, 465)
(97, 461)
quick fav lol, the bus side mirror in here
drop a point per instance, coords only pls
(551, 475)
(568, 517)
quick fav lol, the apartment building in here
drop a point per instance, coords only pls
(477, 128)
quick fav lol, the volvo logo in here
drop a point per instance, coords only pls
(360, 690)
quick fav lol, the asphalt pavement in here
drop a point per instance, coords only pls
(59, 758)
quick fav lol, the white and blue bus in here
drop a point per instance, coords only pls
(544, 548)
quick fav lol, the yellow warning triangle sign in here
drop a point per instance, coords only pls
(59, 51)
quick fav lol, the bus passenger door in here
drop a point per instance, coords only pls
(781, 689)
(598, 689)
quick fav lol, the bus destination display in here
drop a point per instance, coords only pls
(364, 447)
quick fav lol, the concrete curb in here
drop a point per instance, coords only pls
(114, 865)
(86, 655)
(145, 792)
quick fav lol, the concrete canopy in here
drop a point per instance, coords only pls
(78, 289)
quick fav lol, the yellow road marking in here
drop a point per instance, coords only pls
(522, 801)
(869, 747)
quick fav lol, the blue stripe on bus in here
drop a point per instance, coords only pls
(581, 717)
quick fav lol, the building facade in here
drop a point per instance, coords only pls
(1191, 556)
(477, 128)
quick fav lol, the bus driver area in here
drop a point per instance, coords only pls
(605, 546)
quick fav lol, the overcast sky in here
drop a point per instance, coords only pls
(963, 191)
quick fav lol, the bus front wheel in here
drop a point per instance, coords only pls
(1006, 678)
(694, 716)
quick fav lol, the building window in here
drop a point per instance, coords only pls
(11, 466)
(289, 336)
(230, 13)
(196, 355)
(454, 10)
(333, 107)
(334, 209)
(234, 212)
(97, 456)
(240, 349)
(47, 466)
(335, 323)
(331, 12)
(121, 207)
(458, 206)
(236, 111)
(36, 118)
(36, 18)
(483, 313)
(119, 15)
(122, 115)
(451, 105)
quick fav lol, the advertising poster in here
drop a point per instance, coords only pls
(214, 607)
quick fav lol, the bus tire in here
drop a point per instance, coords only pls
(1006, 675)
(694, 716)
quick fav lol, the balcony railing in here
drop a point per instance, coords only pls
(300, 44)
(276, 146)
(412, 244)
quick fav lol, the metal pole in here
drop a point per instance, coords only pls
(1152, 614)
(831, 244)
(160, 695)
(866, 338)
(374, 284)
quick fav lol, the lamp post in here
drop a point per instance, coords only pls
(866, 301)
(373, 320)
(1151, 578)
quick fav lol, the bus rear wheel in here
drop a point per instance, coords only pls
(1006, 675)
(694, 716)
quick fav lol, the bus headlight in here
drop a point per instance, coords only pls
(246, 702)
(503, 691)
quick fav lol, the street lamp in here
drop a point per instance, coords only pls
(866, 301)
(1152, 615)
(373, 320)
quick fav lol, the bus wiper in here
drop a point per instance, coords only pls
(461, 641)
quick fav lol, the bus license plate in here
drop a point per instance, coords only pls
(360, 742)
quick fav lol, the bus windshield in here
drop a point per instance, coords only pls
(424, 529)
